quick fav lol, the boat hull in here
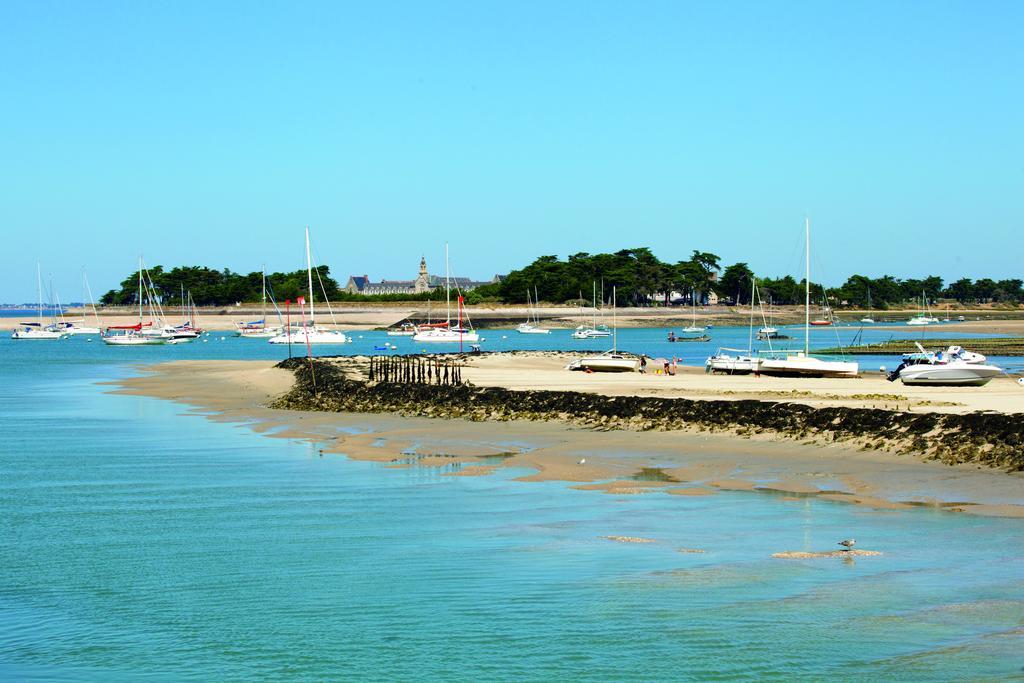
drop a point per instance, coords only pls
(606, 364)
(808, 366)
(446, 337)
(311, 337)
(952, 374)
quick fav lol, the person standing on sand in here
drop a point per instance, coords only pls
(643, 363)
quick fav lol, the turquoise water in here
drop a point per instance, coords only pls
(140, 542)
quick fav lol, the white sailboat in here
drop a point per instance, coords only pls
(801, 363)
(258, 329)
(310, 334)
(36, 330)
(925, 316)
(133, 335)
(693, 327)
(609, 361)
(867, 319)
(532, 324)
(444, 333)
(739, 361)
(592, 331)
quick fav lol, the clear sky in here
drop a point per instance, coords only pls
(212, 132)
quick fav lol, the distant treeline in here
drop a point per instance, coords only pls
(640, 279)
(210, 287)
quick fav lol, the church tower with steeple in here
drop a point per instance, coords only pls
(422, 283)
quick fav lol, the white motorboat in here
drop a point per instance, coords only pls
(445, 333)
(955, 367)
(310, 334)
(801, 363)
(867, 320)
(733, 362)
(920, 320)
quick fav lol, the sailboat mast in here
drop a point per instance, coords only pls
(309, 278)
(263, 309)
(807, 286)
(39, 289)
(447, 288)
(615, 328)
(750, 328)
(140, 289)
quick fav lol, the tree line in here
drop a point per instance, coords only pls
(639, 277)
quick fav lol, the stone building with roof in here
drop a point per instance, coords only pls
(424, 282)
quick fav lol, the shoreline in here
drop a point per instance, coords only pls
(617, 462)
(372, 316)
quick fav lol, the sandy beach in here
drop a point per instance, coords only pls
(616, 462)
(526, 370)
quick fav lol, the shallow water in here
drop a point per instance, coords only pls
(143, 542)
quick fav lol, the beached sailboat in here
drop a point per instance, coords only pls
(310, 334)
(739, 361)
(258, 329)
(609, 361)
(801, 363)
(36, 330)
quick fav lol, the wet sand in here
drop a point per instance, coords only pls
(619, 463)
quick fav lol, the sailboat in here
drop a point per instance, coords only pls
(444, 332)
(609, 361)
(133, 335)
(867, 319)
(801, 363)
(740, 361)
(257, 329)
(592, 331)
(35, 330)
(925, 316)
(310, 334)
(693, 327)
(532, 324)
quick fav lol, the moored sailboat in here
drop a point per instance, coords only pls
(35, 330)
(310, 334)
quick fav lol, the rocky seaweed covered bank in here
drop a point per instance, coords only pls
(341, 385)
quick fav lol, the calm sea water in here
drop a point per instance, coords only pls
(140, 542)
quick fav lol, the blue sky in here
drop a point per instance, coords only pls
(211, 133)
